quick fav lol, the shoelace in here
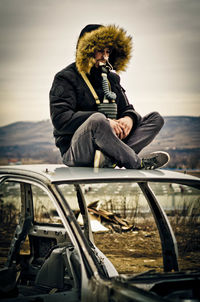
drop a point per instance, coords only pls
(150, 163)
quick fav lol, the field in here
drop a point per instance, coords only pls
(140, 250)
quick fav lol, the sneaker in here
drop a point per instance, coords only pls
(102, 161)
(155, 160)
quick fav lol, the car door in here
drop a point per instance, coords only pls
(38, 253)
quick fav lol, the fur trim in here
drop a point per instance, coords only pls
(105, 36)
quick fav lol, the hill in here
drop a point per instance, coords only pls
(34, 142)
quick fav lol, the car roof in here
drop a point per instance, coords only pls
(61, 173)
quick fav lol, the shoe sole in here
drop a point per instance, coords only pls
(101, 161)
(162, 157)
(97, 158)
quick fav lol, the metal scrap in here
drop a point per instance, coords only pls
(111, 220)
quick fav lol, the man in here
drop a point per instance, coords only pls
(94, 124)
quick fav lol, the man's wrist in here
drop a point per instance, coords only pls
(127, 116)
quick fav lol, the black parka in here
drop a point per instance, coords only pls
(71, 101)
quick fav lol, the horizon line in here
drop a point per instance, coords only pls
(48, 119)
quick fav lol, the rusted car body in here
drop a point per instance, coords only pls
(63, 263)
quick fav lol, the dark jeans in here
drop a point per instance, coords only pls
(96, 133)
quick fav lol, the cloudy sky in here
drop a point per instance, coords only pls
(38, 38)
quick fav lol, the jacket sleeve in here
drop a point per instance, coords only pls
(124, 107)
(65, 116)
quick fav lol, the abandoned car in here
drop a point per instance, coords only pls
(84, 234)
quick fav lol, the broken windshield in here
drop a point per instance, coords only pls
(125, 230)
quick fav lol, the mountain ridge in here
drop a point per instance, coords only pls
(35, 139)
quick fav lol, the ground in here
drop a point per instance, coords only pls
(136, 251)
(139, 251)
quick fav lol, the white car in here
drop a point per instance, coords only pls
(49, 248)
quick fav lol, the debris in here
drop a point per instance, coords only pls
(96, 226)
(110, 220)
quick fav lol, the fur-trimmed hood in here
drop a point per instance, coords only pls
(100, 38)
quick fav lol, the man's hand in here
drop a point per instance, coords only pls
(117, 128)
(122, 126)
(126, 123)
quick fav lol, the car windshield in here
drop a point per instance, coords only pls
(125, 229)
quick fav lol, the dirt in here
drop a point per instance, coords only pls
(140, 251)
(131, 252)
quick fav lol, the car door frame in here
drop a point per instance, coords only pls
(88, 267)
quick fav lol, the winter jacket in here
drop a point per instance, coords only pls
(71, 101)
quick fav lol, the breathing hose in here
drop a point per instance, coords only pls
(109, 106)
(109, 95)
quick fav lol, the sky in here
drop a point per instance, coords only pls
(38, 39)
